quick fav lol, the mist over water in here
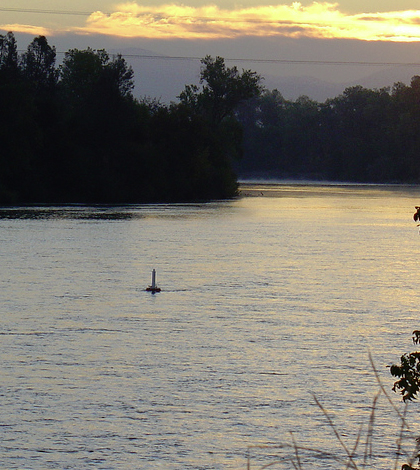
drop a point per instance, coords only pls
(266, 300)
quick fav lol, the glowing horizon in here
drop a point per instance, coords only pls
(170, 21)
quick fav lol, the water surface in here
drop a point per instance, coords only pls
(266, 300)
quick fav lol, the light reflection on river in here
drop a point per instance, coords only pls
(265, 300)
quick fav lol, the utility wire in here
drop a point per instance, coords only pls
(47, 12)
(274, 61)
(281, 61)
(262, 61)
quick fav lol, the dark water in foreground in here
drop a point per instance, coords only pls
(265, 301)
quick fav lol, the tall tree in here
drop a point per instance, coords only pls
(99, 118)
(38, 64)
(214, 102)
(120, 75)
(223, 89)
(406, 129)
(263, 120)
(9, 64)
(80, 72)
(83, 71)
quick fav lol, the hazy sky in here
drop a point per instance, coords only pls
(386, 31)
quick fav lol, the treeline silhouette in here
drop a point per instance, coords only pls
(76, 134)
(362, 135)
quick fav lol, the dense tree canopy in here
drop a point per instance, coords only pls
(38, 65)
(9, 67)
(223, 89)
(361, 135)
(75, 133)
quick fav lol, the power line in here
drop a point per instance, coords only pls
(156, 15)
(262, 61)
(278, 61)
(47, 12)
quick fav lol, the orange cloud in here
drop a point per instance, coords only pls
(169, 21)
(318, 20)
(23, 28)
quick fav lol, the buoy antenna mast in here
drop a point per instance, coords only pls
(153, 288)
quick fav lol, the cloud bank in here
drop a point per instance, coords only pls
(318, 20)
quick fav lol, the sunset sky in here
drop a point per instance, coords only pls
(348, 31)
(198, 19)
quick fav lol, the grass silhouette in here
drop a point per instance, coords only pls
(358, 457)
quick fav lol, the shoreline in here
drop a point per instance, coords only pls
(280, 188)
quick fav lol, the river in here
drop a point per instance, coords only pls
(270, 302)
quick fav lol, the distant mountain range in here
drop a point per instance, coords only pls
(320, 90)
(164, 78)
